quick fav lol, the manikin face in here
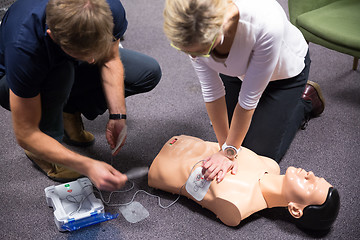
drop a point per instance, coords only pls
(304, 188)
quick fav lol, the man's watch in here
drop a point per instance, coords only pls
(230, 151)
(117, 116)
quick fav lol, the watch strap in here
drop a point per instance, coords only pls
(225, 146)
(117, 116)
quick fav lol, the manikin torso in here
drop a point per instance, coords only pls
(232, 200)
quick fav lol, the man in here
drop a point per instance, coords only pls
(63, 56)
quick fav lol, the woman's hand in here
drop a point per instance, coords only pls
(217, 165)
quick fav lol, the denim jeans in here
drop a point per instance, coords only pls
(76, 87)
(278, 116)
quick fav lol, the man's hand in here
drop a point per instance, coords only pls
(217, 165)
(105, 177)
(113, 129)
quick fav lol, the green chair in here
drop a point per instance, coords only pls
(334, 24)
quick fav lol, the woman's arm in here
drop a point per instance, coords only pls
(218, 116)
(218, 164)
(240, 124)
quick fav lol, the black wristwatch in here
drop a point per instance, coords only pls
(230, 151)
(117, 116)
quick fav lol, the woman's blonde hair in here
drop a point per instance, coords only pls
(83, 27)
(188, 22)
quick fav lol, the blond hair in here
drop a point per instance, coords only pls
(84, 27)
(188, 22)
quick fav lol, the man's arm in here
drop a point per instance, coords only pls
(26, 115)
(112, 73)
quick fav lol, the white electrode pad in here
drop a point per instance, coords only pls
(120, 139)
(196, 185)
(134, 212)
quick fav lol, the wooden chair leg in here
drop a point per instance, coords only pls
(355, 64)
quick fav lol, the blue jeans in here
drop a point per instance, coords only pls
(278, 116)
(76, 87)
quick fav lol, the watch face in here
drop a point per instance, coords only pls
(230, 152)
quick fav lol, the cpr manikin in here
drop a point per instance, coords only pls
(256, 186)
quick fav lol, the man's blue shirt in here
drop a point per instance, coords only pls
(27, 53)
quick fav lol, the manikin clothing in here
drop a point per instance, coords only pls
(266, 47)
(27, 53)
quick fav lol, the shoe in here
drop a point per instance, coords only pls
(53, 171)
(313, 93)
(74, 132)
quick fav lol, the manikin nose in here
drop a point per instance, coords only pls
(310, 176)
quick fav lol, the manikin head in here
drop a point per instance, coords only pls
(312, 200)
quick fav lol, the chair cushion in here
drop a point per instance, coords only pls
(338, 23)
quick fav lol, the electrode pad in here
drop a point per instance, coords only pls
(134, 212)
(196, 185)
(120, 139)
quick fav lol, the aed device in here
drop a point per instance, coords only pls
(75, 205)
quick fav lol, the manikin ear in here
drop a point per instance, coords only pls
(296, 210)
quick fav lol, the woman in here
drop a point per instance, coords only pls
(311, 200)
(264, 63)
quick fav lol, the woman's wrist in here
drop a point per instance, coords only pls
(230, 151)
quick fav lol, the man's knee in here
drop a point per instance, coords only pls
(145, 79)
(154, 76)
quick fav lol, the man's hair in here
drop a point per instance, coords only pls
(83, 27)
(188, 22)
(321, 217)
